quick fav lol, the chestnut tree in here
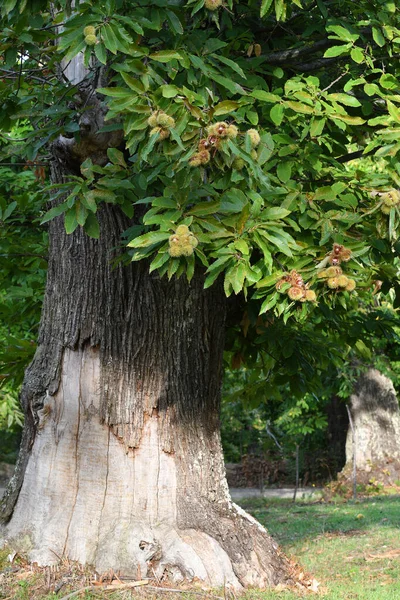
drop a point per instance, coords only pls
(210, 160)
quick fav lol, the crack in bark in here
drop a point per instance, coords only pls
(77, 459)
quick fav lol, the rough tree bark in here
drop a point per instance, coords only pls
(375, 412)
(121, 463)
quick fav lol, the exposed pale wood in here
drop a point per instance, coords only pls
(376, 416)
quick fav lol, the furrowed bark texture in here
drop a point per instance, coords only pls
(122, 464)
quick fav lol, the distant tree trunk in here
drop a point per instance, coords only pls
(338, 423)
(121, 464)
(376, 416)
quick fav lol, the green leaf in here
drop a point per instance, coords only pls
(265, 7)
(345, 99)
(317, 126)
(230, 63)
(266, 148)
(230, 85)
(233, 201)
(169, 91)
(274, 213)
(278, 241)
(204, 208)
(101, 53)
(393, 111)
(276, 113)
(91, 226)
(343, 33)
(148, 239)
(135, 84)
(265, 96)
(116, 157)
(8, 6)
(115, 92)
(9, 210)
(284, 170)
(165, 56)
(109, 38)
(55, 211)
(347, 119)
(174, 22)
(389, 82)
(378, 37)
(299, 107)
(159, 261)
(357, 55)
(269, 303)
(337, 51)
(70, 221)
(371, 89)
(224, 107)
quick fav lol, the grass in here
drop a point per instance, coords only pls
(351, 548)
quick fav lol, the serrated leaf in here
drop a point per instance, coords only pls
(269, 303)
(148, 239)
(230, 63)
(101, 53)
(115, 92)
(230, 85)
(343, 33)
(159, 261)
(92, 227)
(165, 56)
(135, 84)
(9, 210)
(55, 211)
(299, 107)
(109, 38)
(265, 96)
(265, 7)
(70, 222)
(204, 208)
(224, 107)
(174, 22)
(116, 157)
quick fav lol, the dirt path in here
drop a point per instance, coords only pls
(240, 493)
(307, 493)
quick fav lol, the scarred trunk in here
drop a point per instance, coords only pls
(121, 464)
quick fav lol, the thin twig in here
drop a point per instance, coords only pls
(177, 591)
(105, 588)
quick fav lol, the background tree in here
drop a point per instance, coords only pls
(197, 136)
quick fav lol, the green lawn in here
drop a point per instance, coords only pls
(352, 549)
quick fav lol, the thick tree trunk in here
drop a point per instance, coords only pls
(121, 464)
(376, 417)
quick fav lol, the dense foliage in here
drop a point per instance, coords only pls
(256, 141)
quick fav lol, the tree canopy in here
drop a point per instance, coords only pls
(255, 141)
(238, 126)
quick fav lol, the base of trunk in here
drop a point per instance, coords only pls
(88, 497)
